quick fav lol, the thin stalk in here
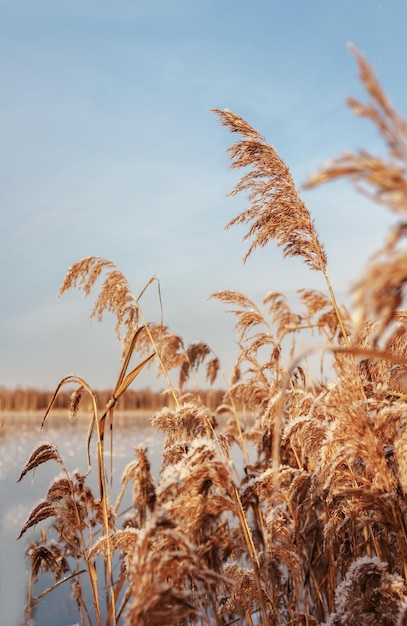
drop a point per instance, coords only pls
(109, 560)
(163, 368)
(153, 343)
(341, 324)
(336, 307)
(253, 556)
(239, 429)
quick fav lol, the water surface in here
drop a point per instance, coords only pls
(19, 436)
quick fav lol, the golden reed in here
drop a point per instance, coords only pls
(293, 512)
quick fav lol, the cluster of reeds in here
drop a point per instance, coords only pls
(296, 515)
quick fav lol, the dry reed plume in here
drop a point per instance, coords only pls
(287, 504)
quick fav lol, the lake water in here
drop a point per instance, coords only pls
(19, 436)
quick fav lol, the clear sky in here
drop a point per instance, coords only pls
(108, 148)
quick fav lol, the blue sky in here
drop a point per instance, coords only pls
(108, 148)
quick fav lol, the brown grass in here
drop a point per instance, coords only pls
(307, 524)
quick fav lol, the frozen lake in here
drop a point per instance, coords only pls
(19, 436)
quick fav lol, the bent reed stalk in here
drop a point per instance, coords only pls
(287, 504)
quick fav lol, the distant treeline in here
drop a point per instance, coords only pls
(31, 399)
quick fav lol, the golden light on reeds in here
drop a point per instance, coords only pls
(286, 504)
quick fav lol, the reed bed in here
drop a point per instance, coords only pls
(309, 527)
